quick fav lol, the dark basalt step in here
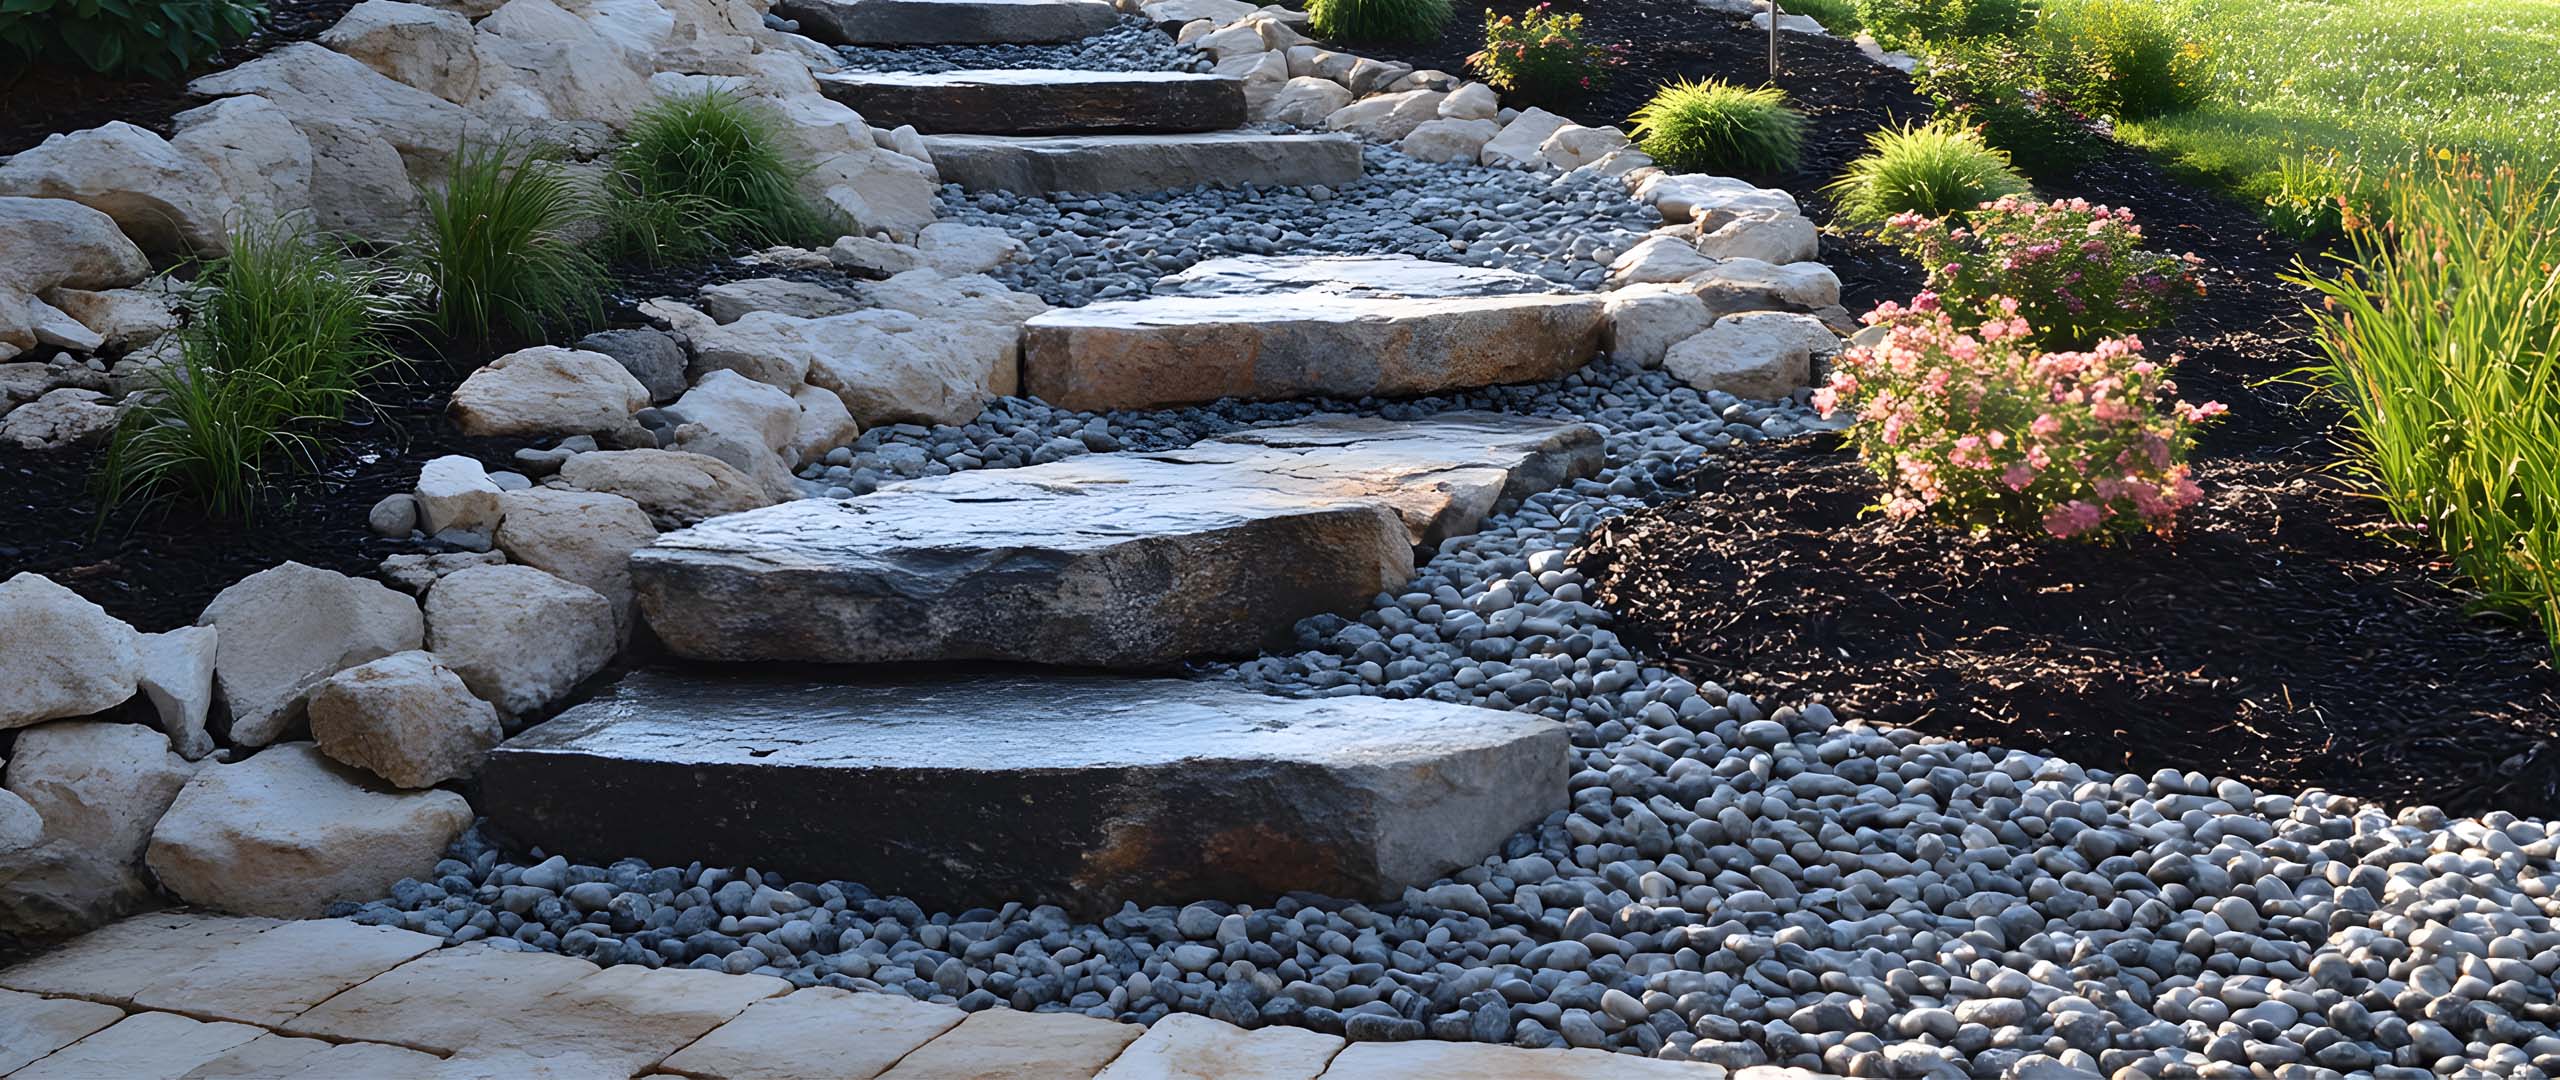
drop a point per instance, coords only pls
(1041, 101)
(949, 22)
(1038, 164)
(1078, 791)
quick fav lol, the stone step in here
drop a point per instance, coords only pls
(1128, 560)
(1042, 102)
(1038, 164)
(1355, 275)
(949, 22)
(1080, 791)
(1166, 351)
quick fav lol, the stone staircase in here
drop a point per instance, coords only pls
(1042, 101)
(893, 23)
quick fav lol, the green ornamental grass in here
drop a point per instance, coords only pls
(703, 173)
(1710, 126)
(502, 248)
(1377, 20)
(1935, 170)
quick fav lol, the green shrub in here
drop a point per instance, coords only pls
(1934, 170)
(2126, 59)
(1991, 86)
(699, 174)
(502, 246)
(1377, 20)
(2077, 273)
(158, 39)
(1838, 16)
(2441, 337)
(284, 340)
(1713, 126)
(1922, 25)
(1541, 56)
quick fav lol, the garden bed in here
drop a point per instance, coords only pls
(53, 99)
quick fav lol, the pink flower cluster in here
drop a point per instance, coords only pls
(1542, 53)
(1981, 428)
(2077, 271)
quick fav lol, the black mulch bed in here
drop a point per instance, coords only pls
(37, 100)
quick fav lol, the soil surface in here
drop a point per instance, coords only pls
(37, 100)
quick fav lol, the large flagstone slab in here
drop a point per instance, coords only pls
(1039, 164)
(949, 22)
(1033, 101)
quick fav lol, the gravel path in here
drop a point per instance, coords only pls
(1134, 45)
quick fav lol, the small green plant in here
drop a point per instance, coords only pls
(1377, 20)
(1991, 86)
(501, 248)
(2125, 59)
(2440, 335)
(1713, 126)
(1923, 25)
(1936, 170)
(157, 39)
(702, 173)
(1542, 56)
(284, 339)
(1838, 16)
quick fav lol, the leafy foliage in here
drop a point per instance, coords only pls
(1920, 25)
(1542, 56)
(699, 174)
(1979, 429)
(1713, 126)
(2440, 335)
(2075, 272)
(1377, 20)
(1838, 16)
(1991, 86)
(158, 39)
(1934, 170)
(502, 247)
(2126, 59)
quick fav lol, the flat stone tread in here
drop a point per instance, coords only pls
(1307, 306)
(1350, 275)
(32, 1026)
(1003, 1044)
(117, 961)
(1212, 139)
(444, 1000)
(818, 1031)
(1037, 164)
(274, 976)
(1024, 77)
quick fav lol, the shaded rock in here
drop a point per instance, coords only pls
(121, 318)
(957, 249)
(1518, 143)
(730, 301)
(1737, 285)
(60, 420)
(519, 637)
(585, 537)
(1448, 140)
(177, 675)
(320, 89)
(1658, 259)
(1574, 146)
(1041, 101)
(1684, 196)
(948, 22)
(1762, 355)
(1103, 163)
(1305, 101)
(878, 189)
(675, 488)
(251, 149)
(455, 492)
(60, 655)
(98, 786)
(288, 831)
(160, 197)
(285, 628)
(547, 390)
(1387, 117)
(649, 355)
(404, 718)
(880, 257)
(425, 47)
(1645, 321)
(824, 423)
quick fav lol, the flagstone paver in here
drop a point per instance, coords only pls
(620, 1018)
(1187, 1046)
(143, 1046)
(1002, 1044)
(285, 1057)
(117, 961)
(274, 976)
(820, 1031)
(445, 1000)
(32, 1027)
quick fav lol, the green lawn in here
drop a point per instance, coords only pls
(2371, 80)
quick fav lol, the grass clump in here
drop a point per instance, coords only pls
(2441, 338)
(1991, 87)
(285, 338)
(2124, 59)
(1934, 170)
(1921, 25)
(1377, 20)
(703, 173)
(503, 250)
(1709, 126)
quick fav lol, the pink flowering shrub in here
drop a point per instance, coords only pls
(1542, 56)
(1981, 429)
(2077, 271)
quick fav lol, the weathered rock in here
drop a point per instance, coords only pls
(276, 974)
(520, 638)
(1346, 275)
(817, 1031)
(1042, 101)
(38, 1026)
(976, 309)
(1448, 140)
(61, 242)
(876, 257)
(1105, 163)
(949, 22)
(543, 65)
(455, 492)
(285, 628)
(98, 786)
(60, 420)
(404, 718)
(444, 1000)
(60, 655)
(1183, 350)
(548, 390)
(585, 537)
(1473, 101)
(1115, 560)
(1658, 259)
(617, 1022)
(1737, 285)
(1518, 144)
(1574, 146)
(888, 366)
(252, 150)
(649, 355)
(755, 414)
(177, 675)
(359, 182)
(824, 423)
(1762, 355)
(124, 958)
(415, 574)
(1645, 321)
(161, 198)
(288, 831)
(880, 189)
(121, 318)
(1306, 100)
(1387, 117)
(144, 1044)
(675, 488)
(957, 250)
(425, 47)
(731, 301)
(319, 89)
(1100, 789)
(1684, 196)
(1766, 235)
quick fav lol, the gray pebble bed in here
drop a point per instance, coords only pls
(1566, 228)
(1133, 45)
(1734, 883)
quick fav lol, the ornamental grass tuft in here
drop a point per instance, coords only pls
(704, 173)
(1933, 170)
(503, 247)
(1377, 20)
(1712, 126)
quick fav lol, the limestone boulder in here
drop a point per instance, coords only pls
(286, 832)
(250, 148)
(160, 197)
(60, 242)
(677, 489)
(649, 355)
(60, 655)
(360, 182)
(97, 786)
(1518, 144)
(730, 301)
(1737, 285)
(284, 629)
(585, 537)
(177, 675)
(824, 423)
(754, 414)
(1767, 235)
(1306, 101)
(404, 718)
(1685, 196)
(455, 492)
(878, 189)
(1449, 140)
(957, 249)
(1658, 258)
(1645, 321)
(318, 87)
(549, 391)
(878, 258)
(1761, 355)
(1387, 117)
(539, 62)
(519, 637)
(121, 318)
(1472, 101)
(1574, 146)
(426, 47)
(980, 310)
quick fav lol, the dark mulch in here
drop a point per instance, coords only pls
(37, 100)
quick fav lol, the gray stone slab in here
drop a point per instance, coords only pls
(1348, 275)
(949, 22)
(1077, 790)
(1125, 561)
(1104, 163)
(1042, 101)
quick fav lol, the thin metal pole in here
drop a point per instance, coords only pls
(1777, 11)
